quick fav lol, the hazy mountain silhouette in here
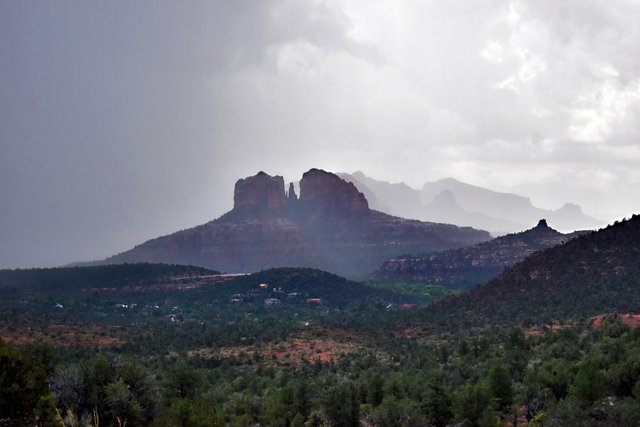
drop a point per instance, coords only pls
(508, 207)
(330, 226)
(396, 199)
(454, 202)
(445, 208)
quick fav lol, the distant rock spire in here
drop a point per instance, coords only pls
(542, 224)
(292, 192)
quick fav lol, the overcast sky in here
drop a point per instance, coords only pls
(121, 121)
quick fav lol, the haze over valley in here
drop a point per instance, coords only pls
(320, 213)
(121, 122)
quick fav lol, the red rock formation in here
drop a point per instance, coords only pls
(328, 193)
(329, 227)
(259, 193)
(291, 195)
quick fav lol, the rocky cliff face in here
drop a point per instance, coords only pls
(291, 195)
(327, 194)
(259, 193)
(329, 227)
(469, 266)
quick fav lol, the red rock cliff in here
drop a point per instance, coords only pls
(260, 192)
(331, 194)
(329, 227)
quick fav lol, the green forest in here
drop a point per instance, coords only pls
(573, 375)
(217, 355)
(551, 342)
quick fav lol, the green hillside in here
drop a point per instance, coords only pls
(298, 284)
(596, 273)
(469, 266)
(74, 278)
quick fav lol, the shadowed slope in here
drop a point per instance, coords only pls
(596, 273)
(472, 265)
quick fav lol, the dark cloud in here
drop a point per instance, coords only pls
(122, 120)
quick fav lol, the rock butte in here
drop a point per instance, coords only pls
(330, 226)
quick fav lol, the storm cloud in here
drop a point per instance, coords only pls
(121, 121)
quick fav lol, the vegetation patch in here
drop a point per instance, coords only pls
(322, 344)
(67, 336)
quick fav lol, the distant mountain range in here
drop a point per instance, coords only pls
(472, 265)
(592, 274)
(330, 226)
(453, 202)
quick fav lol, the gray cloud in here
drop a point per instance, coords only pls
(121, 121)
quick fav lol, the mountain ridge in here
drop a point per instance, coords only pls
(472, 265)
(478, 207)
(597, 272)
(329, 226)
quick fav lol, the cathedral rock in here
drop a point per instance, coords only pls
(329, 226)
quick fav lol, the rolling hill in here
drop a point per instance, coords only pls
(72, 279)
(472, 265)
(595, 273)
(298, 285)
